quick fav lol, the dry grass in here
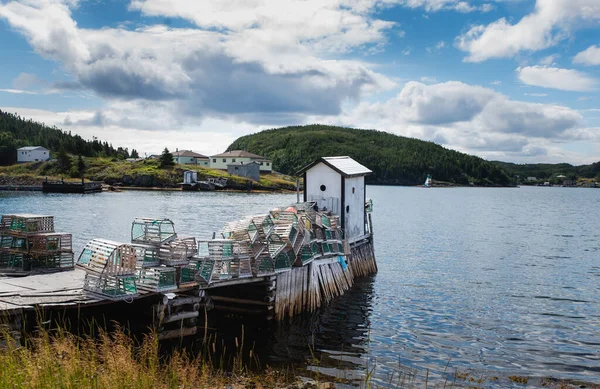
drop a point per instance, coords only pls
(63, 360)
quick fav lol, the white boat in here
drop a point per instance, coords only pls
(427, 183)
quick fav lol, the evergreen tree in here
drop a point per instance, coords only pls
(64, 161)
(166, 159)
(80, 166)
(134, 153)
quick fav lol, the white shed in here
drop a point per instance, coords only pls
(338, 184)
(33, 154)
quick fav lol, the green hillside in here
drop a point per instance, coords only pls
(16, 132)
(393, 159)
(545, 172)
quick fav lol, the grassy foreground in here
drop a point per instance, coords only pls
(62, 360)
(146, 173)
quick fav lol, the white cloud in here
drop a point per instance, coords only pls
(536, 94)
(549, 23)
(406, 51)
(556, 78)
(472, 119)
(18, 91)
(549, 60)
(435, 49)
(442, 5)
(135, 126)
(590, 56)
(263, 64)
(428, 80)
(497, 82)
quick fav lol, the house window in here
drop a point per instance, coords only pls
(214, 160)
(347, 209)
(261, 164)
(323, 188)
(352, 190)
(224, 159)
(267, 163)
(233, 160)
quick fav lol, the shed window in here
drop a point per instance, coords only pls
(224, 159)
(233, 160)
(323, 188)
(214, 160)
(347, 209)
(352, 190)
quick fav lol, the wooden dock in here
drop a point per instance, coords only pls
(272, 266)
(71, 187)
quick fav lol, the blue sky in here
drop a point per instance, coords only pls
(514, 80)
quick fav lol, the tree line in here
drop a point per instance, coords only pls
(16, 132)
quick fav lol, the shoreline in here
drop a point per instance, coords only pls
(110, 188)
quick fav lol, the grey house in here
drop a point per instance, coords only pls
(249, 170)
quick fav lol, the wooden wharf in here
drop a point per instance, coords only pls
(71, 187)
(272, 266)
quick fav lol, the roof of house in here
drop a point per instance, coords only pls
(344, 165)
(240, 154)
(188, 153)
(30, 148)
(242, 164)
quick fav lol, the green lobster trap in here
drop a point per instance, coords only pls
(157, 279)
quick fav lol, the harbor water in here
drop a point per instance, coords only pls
(501, 281)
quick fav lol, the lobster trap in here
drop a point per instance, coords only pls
(152, 231)
(157, 279)
(27, 223)
(28, 244)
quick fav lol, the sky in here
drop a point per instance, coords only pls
(511, 80)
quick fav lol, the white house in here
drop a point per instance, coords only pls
(220, 161)
(188, 157)
(338, 184)
(33, 154)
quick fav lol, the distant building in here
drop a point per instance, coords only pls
(531, 178)
(249, 170)
(561, 176)
(33, 154)
(220, 161)
(188, 157)
(134, 159)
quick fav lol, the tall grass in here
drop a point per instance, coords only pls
(60, 359)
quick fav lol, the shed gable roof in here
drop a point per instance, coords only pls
(344, 165)
(239, 154)
(188, 153)
(31, 148)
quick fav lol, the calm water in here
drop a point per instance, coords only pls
(501, 280)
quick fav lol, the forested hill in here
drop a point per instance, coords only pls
(393, 159)
(16, 132)
(546, 171)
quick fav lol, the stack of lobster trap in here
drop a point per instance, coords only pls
(29, 245)
(269, 244)
(156, 260)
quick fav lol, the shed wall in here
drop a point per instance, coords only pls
(32, 155)
(354, 218)
(321, 174)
